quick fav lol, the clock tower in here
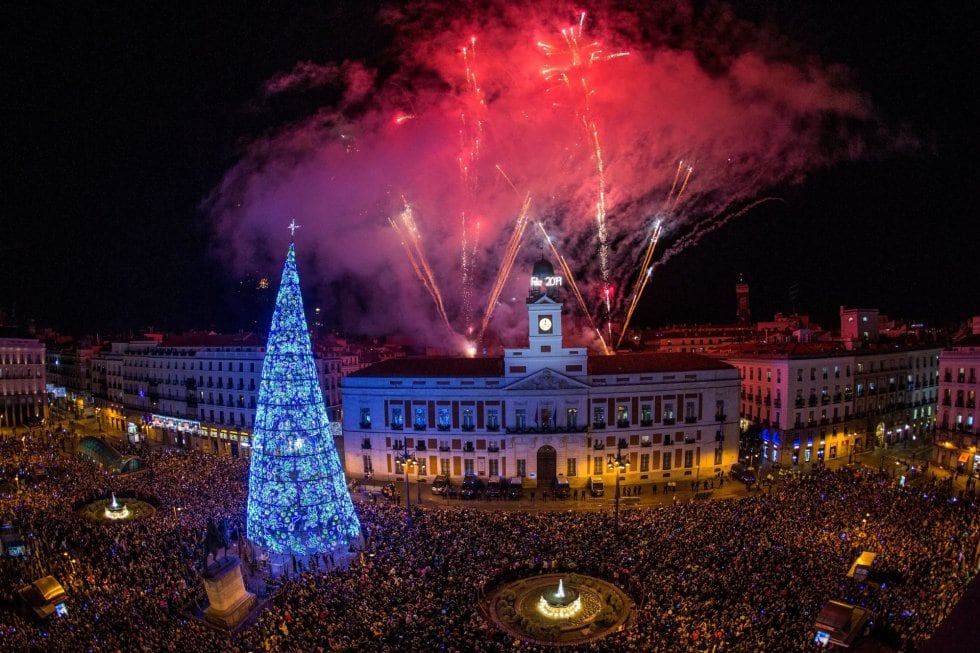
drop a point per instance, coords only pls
(544, 337)
(544, 309)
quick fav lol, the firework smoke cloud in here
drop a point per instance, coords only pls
(659, 114)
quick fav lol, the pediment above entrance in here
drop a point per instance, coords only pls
(546, 379)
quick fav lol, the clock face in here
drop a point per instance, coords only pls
(544, 325)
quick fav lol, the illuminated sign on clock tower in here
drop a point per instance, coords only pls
(545, 350)
(544, 307)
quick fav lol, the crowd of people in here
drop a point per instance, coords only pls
(725, 575)
(129, 583)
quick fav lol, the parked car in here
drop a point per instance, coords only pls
(560, 488)
(472, 487)
(440, 485)
(494, 487)
(596, 487)
(743, 473)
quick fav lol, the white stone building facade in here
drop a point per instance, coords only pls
(543, 412)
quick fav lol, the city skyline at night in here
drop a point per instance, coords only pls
(625, 325)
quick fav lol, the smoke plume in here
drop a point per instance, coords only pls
(698, 101)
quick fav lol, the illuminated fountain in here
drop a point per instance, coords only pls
(116, 510)
(559, 603)
(545, 610)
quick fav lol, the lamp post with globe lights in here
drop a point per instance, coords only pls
(619, 465)
(407, 460)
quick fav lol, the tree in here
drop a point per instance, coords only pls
(298, 501)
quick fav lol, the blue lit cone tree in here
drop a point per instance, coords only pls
(298, 501)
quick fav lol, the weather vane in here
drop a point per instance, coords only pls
(293, 227)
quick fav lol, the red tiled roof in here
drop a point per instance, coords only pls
(440, 366)
(449, 366)
(654, 362)
(212, 340)
(969, 341)
(794, 350)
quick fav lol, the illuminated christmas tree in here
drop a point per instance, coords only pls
(298, 501)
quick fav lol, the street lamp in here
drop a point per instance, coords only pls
(406, 460)
(619, 465)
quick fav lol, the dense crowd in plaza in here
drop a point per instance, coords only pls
(728, 575)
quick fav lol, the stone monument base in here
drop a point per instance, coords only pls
(229, 602)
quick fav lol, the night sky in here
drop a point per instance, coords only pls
(121, 123)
